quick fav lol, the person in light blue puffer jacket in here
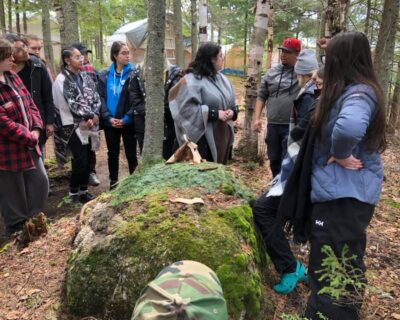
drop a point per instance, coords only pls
(346, 176)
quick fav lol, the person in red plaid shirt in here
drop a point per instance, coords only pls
(23, 180)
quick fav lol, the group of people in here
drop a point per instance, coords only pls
(325, 133)
(324, 137)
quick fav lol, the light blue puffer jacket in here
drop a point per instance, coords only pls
(344, 135)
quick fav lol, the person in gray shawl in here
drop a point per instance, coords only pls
(203, 105)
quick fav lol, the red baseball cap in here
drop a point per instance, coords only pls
(291, 45)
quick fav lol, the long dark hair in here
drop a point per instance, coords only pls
(66, 53)
(202, 65)
(115, 48)
(348, 61)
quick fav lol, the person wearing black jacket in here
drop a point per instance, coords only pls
(37, 80)
(116, 110)
(137, 96)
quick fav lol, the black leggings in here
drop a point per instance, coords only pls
(265, 211)
(79, 163)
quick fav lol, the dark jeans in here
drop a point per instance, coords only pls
(80, 164)
(113, 140)
(276, 140)
(265, 211)
(337, 223)
(139, 124)
(23, 194)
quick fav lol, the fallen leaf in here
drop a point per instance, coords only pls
(188, 201)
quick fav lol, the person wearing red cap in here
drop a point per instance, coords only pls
(278, 89)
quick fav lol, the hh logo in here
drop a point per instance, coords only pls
(319, 223)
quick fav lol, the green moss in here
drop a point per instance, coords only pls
(109, 280)
(161, 177)
(392, 203)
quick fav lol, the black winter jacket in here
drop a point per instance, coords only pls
(125, 106)
(41, 89)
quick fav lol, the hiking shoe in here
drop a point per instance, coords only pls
(289, 280)
(74, 197)
(85, 197)
(113, 184)
(93, 180)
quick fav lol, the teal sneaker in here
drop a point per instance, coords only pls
(289, 280)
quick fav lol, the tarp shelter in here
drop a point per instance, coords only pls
(135, 32)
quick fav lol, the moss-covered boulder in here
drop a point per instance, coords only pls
(130, 234)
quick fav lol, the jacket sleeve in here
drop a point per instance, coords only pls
(14, 131)
(305, 112)
(263, 93)
(351, 125)
(101, 85)
(136, 96)
(47, 96)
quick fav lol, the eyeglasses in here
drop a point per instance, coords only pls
(78, 58)
(18, 49)
(125, 53)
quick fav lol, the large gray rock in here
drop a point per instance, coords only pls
(129, 235)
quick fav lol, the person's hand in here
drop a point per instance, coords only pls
(35, 133)
(89, 123)
(257, 125)
(322, 43)
(95, 119)
(350, 162)
(222, 115)
(49, 130)
(229, 113)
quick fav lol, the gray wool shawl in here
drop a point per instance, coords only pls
(190, 105)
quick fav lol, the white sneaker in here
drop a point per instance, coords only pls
(93, 180)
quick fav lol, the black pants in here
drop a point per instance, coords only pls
(92, 162)
(80, 164)
(276, 140)
(139, 124)
(113, 140)
(337, 223)
(265, 211)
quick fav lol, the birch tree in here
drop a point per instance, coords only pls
(249, 142)
(178, 33)
(386, 41)
(194, 30)
(154, 132)
(270, 39)
(203, 12)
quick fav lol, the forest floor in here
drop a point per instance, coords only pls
(32, 279)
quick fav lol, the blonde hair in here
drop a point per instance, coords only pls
(303, 79)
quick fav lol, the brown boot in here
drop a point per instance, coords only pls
(40, 222)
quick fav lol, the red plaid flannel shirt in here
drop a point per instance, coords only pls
(16, 140)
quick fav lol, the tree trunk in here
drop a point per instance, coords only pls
(386, 41)
(394, 105)
(101, 46)
(17, 20)
(178, 33)
(9, 13)
(367, 18)
(336, 17)
(2, 17)
(154, 132)
(24, 18)
(194, 33)
(67, 17)
(203, 21)
(322, 23)
(47, 45)
(270, 42)
(248, 145)
(246, 31)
